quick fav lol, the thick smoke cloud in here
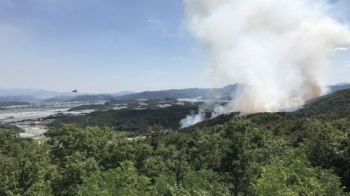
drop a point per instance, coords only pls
(277, 48)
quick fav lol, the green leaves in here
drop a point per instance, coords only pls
(123, 180)
(293, 175)
(235, 158)
(25, 167)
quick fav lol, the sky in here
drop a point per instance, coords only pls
(107, 46)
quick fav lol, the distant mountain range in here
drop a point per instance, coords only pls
(184, 93)
(226, 92)
(174, 94)
(16, 92)
(90, 98)
(340, 86)
(35, 95)
(19, 99)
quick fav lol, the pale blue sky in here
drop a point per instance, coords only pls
(102, 46)
(98, 46)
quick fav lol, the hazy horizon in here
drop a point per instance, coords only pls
(112, 46)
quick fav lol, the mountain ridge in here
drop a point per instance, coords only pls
(184, 93)
(35, 95)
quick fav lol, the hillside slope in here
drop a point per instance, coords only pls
(184, 93)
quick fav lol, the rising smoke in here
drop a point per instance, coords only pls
(208, 107)
(193, 118)
(277, 48)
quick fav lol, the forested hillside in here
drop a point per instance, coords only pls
(298, 153)
(184, 93)
(131, 120)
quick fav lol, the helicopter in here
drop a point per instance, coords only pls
(75, 91)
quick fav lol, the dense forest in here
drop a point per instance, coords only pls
(306, 152)
(129, 120)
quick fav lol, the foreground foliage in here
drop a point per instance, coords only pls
(236, 158)
(299, 153)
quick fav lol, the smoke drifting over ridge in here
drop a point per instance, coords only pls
(277, 48)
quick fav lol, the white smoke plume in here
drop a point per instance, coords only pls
(207, 107)
(277, 48)
(193, 118)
